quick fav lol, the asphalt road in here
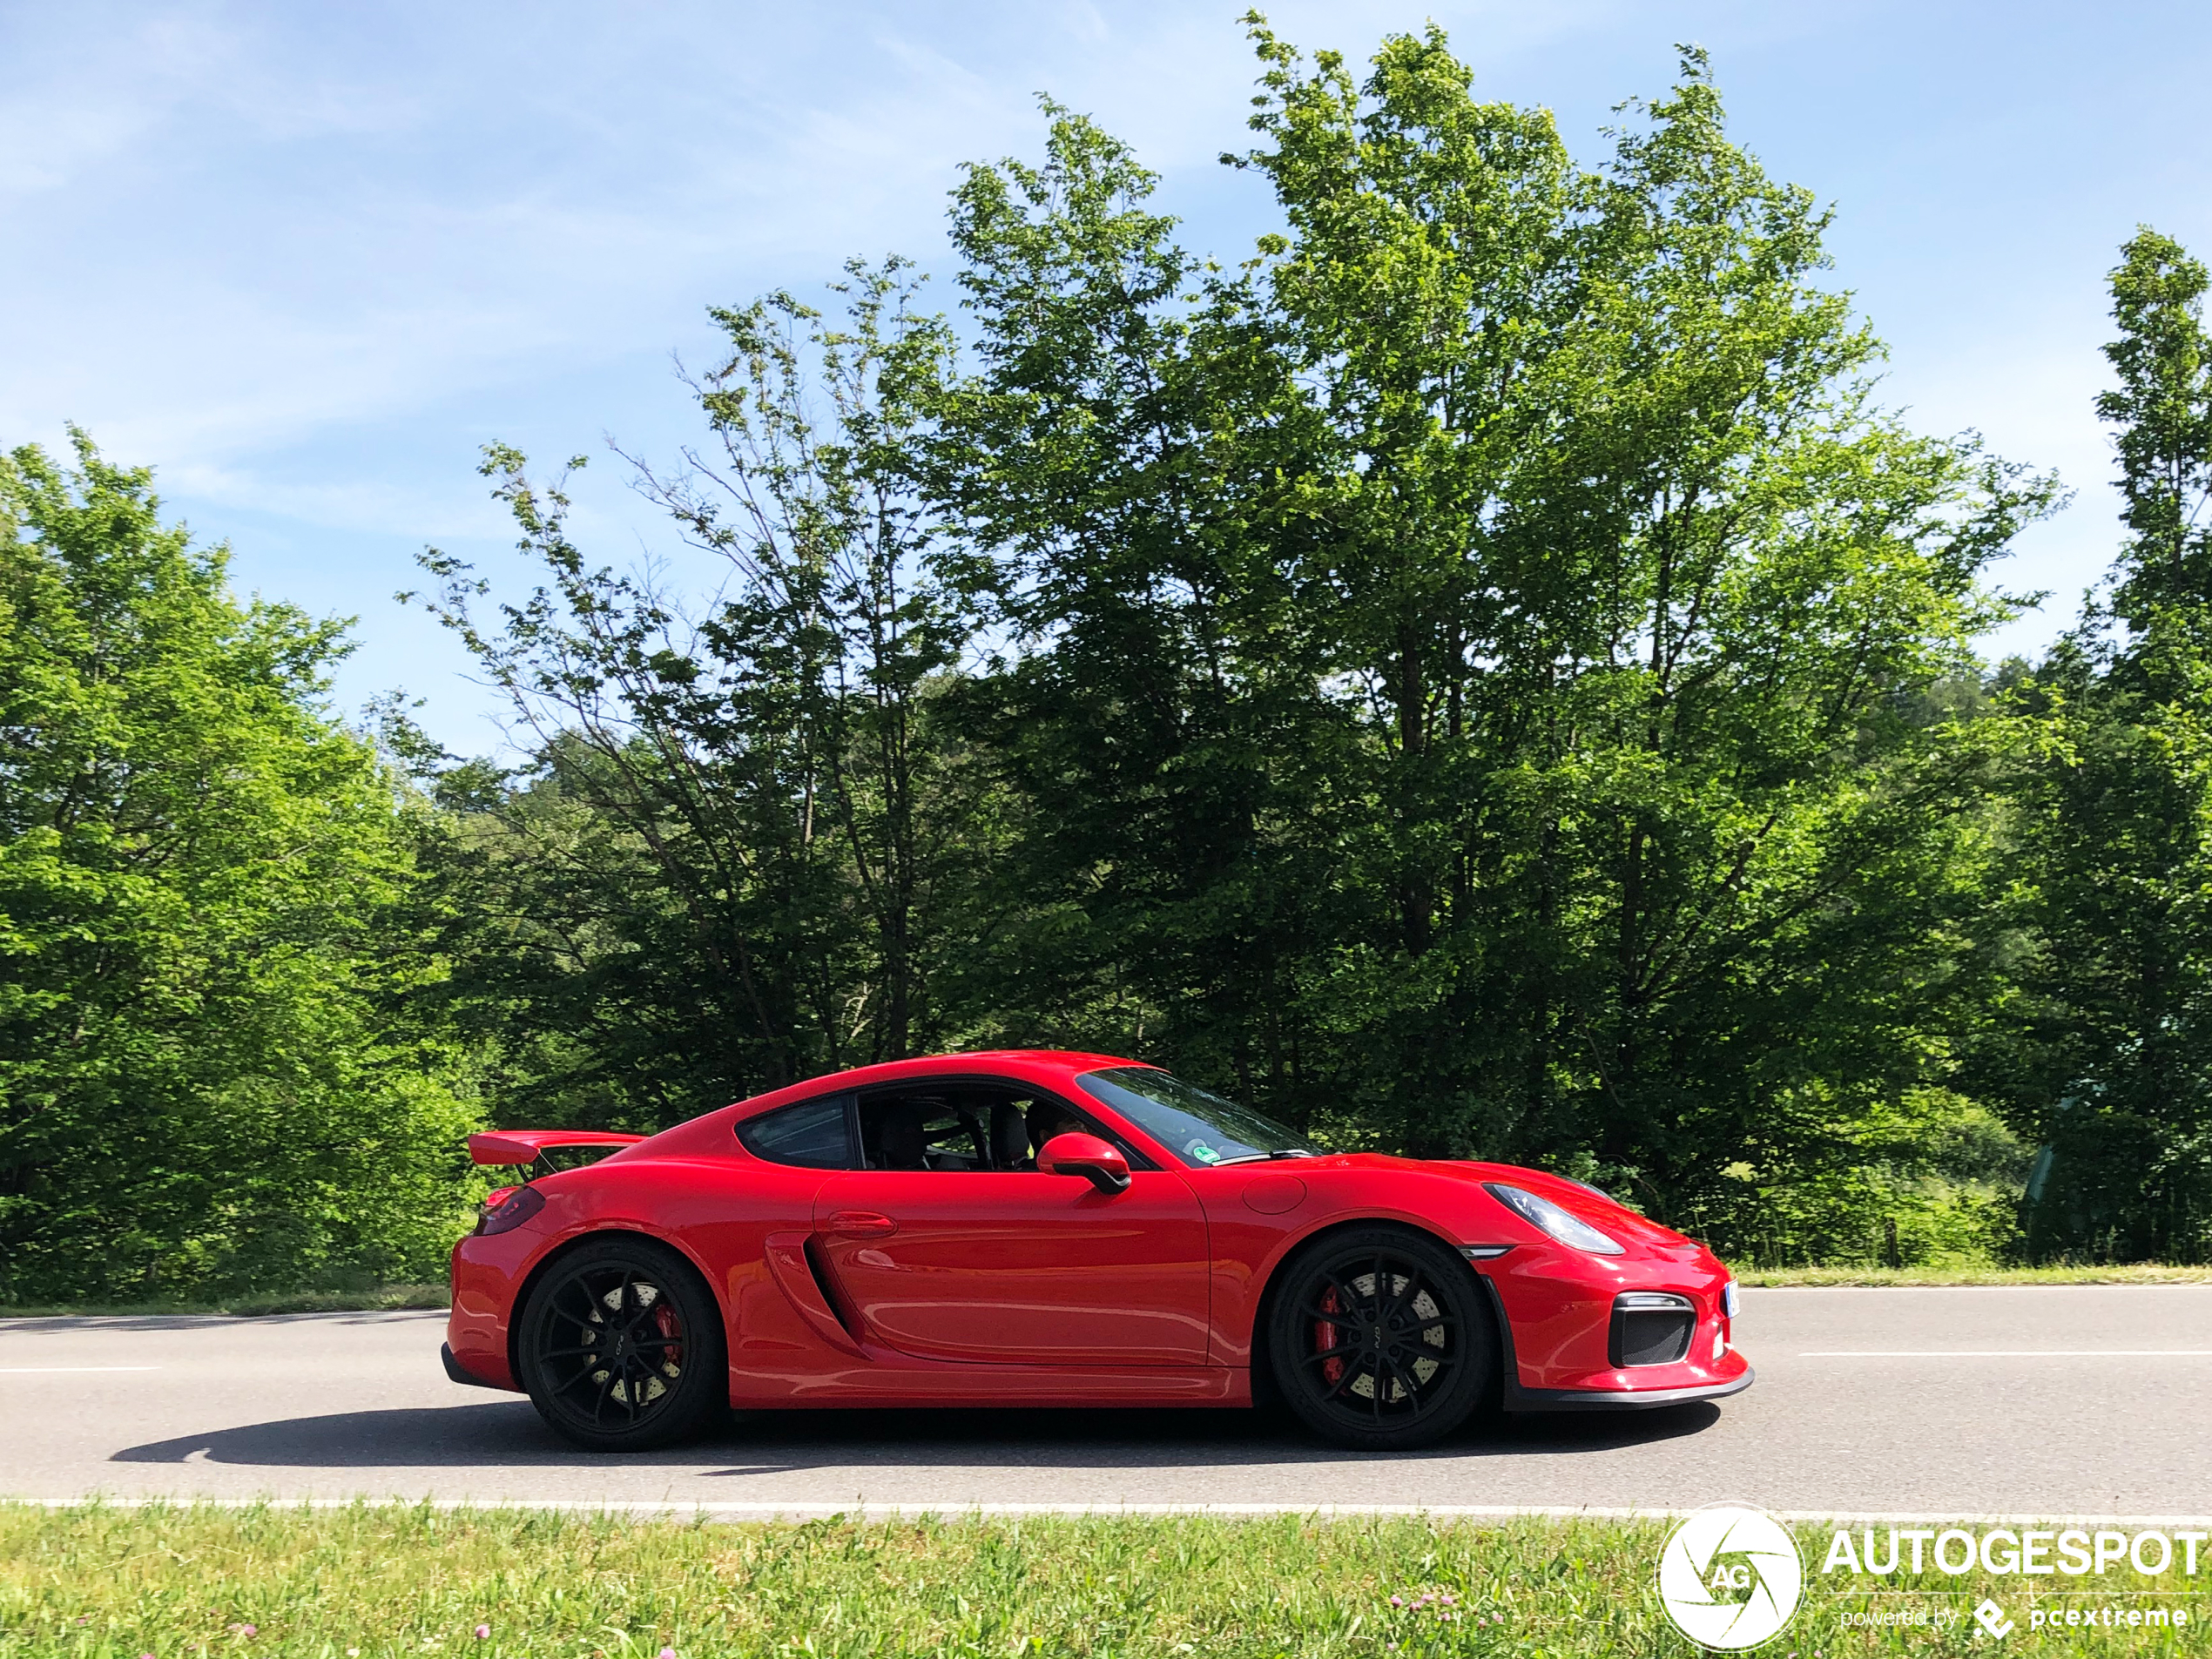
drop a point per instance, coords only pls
(2057, 1401)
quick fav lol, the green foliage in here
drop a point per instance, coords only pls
(738, 852)
(2163, 409)
(1482, 660)
(202, 1082)
(1482, 675)
(2104, 1056)
(1932, 1180)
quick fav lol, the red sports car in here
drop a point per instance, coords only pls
(1046, 1228)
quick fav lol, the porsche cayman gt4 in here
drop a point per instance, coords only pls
(1046, 1228)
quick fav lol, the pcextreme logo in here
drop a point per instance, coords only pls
(1729, 1576)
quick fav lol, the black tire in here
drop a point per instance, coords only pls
(620, 1348)
(1380, 1339)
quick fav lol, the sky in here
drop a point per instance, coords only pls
(305, 261)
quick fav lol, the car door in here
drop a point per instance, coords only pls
(1005, 1265)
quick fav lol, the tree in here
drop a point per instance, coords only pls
(202, 1081)
(1155, 718)
(1483, 654)
(2116, 825)
(735, 854)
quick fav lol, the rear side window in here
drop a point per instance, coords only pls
(815, 1134)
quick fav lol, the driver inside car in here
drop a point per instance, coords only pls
(1047, 1119)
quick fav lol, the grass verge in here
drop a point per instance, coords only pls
(260, 1304)
(374, 1582)
(2126, 1273)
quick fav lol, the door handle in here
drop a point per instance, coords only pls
(861, 1224)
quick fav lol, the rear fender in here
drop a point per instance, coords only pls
(591, 1234)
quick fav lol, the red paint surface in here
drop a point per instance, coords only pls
(872, 1287)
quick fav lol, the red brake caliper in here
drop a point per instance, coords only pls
(1324, 1338)
(664, 1322)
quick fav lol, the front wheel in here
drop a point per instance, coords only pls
(620, 1348)
(1379, 1338)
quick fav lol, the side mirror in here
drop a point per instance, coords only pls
(1085, 1155)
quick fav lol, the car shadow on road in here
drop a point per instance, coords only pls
(509, 1433)
(784, 1442)
(504, 1431)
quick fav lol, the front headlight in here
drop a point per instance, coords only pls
(1567, 1228)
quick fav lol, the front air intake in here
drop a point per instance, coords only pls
(1650, 1328)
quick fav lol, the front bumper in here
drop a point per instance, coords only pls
(1519, 1399)
(1564, 1348)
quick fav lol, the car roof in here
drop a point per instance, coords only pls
(1026, 1065)
(1046, 1067)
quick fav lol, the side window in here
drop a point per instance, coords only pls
(813, 1134)
(963, 1124)
(933, 1130)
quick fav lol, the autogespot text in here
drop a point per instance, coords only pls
(2055, 1552)
(2028, 1551)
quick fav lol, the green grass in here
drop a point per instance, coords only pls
(259, 1304)
(2125, 1273)
(98, 1582)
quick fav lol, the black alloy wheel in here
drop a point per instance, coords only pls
(1380, 1339)
(620, 1348)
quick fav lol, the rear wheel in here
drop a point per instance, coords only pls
(620, 1348)
(1379, 1338)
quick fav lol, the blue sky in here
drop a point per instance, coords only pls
(304, 259)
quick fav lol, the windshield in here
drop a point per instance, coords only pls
(1199, 1128)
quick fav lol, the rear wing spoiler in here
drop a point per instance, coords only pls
(526, 1146)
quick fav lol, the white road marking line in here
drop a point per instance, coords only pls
(1890, 1290)
(2009, 1353)
(26, 1371)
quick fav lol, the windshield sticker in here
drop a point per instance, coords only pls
(1201, 1151)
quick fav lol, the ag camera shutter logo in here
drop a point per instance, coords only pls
(1730, 1576)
